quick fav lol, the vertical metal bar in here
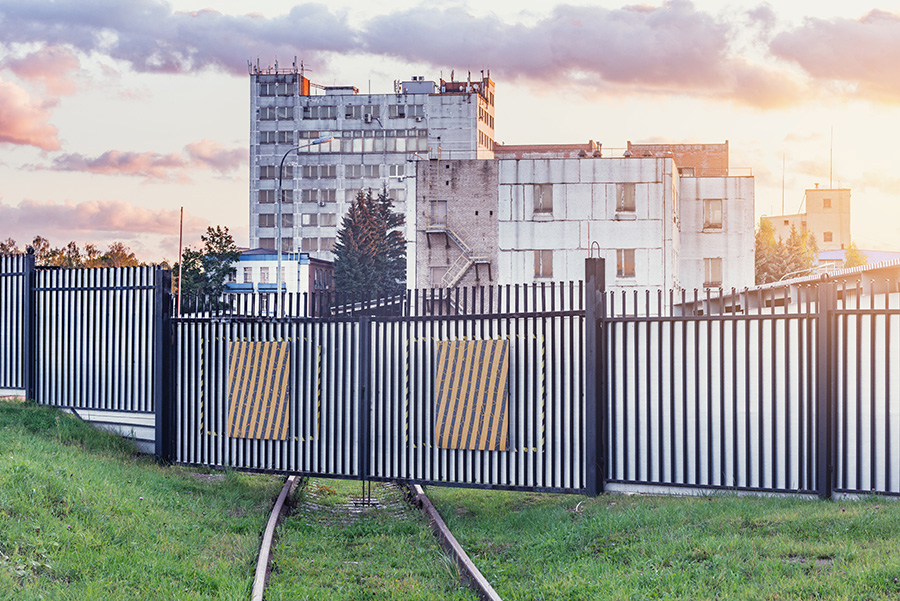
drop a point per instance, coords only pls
(29, 329)
(364, 399)
(824, 382)
(873, 385)
(595, 395)
(887, 387)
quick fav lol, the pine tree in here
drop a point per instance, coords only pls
(370, 251)
(775, 259)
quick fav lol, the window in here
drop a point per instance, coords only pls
(327, 171)
(397, 111)
(248, 275)
(271, 113)
(328, 220)
(353, 112)
(309, 219)
(826, 203)
(827, 236)
(263, 275)
(326, 244)
(543, 263)
(625, 262)
(712, 213)
(396, 170)
(309, 244)
(318, 195)
(686, 171)
(232, 275)
(543, 198)
(266, 196)
(786, 222)
(287, 196)
(437, 276)
(268, 243)
(370, 171)
(353, 171)
(285, 137)
(439, 212)
(287, 220)
(284, 89)
(268, 172)
(397, 194)
(287, 245)
(320, 112)
(266, 220)
(625, 197)
(712, 273)
(267, 137)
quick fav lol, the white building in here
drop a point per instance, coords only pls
(373, 136)
(257, 271)
(658, 224)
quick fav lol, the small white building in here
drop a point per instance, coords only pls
(256, 271)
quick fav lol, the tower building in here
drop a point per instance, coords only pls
(372, 138)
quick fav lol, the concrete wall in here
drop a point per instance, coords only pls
(733, 242)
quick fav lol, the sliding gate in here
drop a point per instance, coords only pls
(392, 398)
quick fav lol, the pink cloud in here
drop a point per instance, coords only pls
(103, 218)
(212, 154)
(205, 154)
(151, 165)
(52, 65)
(864, 53)
(23, 121)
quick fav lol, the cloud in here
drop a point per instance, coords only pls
(863, 54)
(205, 154)
(23, 121)
(52, 65)
(103, 218)
(151, 37)
(645, 49)
(113, 162)
(215, 156)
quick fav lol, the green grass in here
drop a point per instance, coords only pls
(326, 552)
(540, 546)
(82, 516)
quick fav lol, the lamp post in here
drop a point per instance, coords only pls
(278, 246)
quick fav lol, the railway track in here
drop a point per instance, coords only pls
(413, 494)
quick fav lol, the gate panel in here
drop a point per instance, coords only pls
(323, 420)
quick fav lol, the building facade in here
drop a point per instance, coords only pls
(523, 219)
(372, 137)
(827, 217)
(257, 271)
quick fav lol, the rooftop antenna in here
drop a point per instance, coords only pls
(831, 161)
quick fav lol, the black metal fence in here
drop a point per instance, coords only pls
(793, 389)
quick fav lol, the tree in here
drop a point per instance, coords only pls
(853, 257)
(205, 271)
(776, 259)
(119, 255)
(370, 251)
(8, 248)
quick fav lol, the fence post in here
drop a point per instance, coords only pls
(163, 363)
(825, 380)
(595, 393)
(363, 398)
(29, 329)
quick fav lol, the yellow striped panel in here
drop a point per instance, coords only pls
(258, 377)
(472, 398)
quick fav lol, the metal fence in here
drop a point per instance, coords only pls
(14, 278)
(790, 390)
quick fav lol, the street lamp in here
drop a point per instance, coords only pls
(278, 244)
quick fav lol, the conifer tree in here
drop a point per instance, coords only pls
(370, 251)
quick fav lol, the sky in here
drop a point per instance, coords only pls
(114, 115)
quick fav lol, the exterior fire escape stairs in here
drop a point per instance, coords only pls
(468, 257)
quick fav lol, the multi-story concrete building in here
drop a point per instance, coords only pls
(373, 136)
(827, 217)
(536, 215)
